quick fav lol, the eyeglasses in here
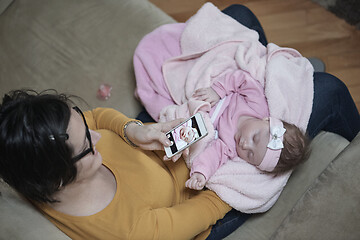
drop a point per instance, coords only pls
(88, 136)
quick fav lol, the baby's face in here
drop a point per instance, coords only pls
(251, 139)
(187, 134)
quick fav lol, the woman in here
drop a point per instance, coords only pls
(84, 174)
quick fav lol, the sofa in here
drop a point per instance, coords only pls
(75, 46)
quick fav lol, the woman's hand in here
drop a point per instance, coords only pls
(207, 95)
(152, 136)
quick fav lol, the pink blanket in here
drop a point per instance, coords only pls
(212, 44)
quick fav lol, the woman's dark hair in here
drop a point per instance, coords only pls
(34, 158)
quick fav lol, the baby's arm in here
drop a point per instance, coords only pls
(242, 83)
(207, 162)
(236, 81)
(232, 82)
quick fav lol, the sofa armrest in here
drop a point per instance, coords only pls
(330, 209)
(4, 4)
(325, 147)
(20, 220)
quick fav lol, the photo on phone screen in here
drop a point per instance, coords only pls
(185, 134)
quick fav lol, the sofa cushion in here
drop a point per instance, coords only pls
(20, 220)
(330, 209)
(74, 46)
(325, 147)
(4, 4)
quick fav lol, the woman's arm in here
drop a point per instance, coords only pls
(147, 137)
(182, 221)
(107, 118)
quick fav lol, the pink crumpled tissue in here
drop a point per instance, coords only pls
(104, 92)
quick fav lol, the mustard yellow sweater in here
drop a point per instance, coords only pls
(151, 201)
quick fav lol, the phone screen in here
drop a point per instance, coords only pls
(184, 135)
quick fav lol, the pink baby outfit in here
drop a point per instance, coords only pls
(244, 97)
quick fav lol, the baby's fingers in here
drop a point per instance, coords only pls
(176, 157)
(200, 92)
(186, 153)
(191, 183)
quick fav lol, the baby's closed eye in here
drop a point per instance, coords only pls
(256, 138)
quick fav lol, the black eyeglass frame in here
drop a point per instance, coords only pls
(88, 136)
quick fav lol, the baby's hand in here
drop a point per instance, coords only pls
(196, 181)
(207, 94)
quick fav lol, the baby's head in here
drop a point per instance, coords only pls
(271, 144)
(188, 134)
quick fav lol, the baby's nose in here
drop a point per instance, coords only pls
(246, 145)
(243, 144)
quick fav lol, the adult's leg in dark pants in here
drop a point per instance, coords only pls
(333, 108)
(144, 116)
(224, 227)
(247, 18)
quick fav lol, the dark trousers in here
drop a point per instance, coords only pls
(333, 108)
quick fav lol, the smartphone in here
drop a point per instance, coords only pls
(186, 133)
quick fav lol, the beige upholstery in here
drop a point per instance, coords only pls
(4, 4)
(20, 220)
(76, 45)
(330, 209)
(325, 147)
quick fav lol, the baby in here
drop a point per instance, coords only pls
(184, 135)
(187, 134)
(268, 143)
